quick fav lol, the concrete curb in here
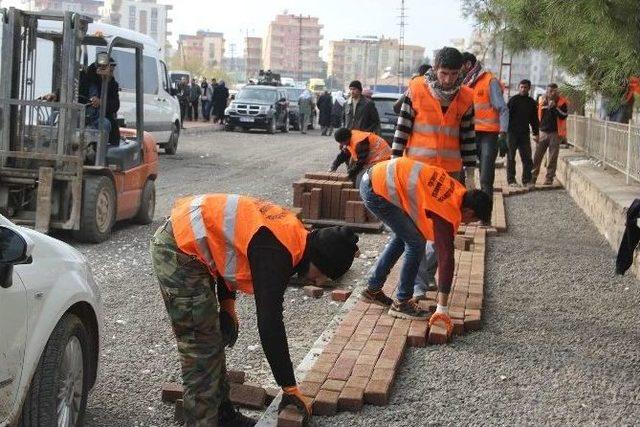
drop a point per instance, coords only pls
(200, 130)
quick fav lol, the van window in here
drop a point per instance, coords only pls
(163, 73)
(125, 70)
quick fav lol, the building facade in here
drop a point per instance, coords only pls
(369, 58)
(252, 56)
(207, 45)
(145, 16)
(86, 7)
(292, 47)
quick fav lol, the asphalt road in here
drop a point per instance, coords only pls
(139, 351)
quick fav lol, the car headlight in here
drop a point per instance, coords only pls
(264, 109)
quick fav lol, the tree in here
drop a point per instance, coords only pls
(598, 40)
(197, 67)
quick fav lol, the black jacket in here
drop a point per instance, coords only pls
(630, 239)
(523, 112)
(365, 118)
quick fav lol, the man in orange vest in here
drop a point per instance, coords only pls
(215, 245)
(360, 150)
(491, 119)
(435, 126)
(419, 203)
(552, 112)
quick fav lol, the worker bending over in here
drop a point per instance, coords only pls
(418, 202)
(359, 150)
(236, 243)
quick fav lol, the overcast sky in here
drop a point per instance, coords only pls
(430, 23)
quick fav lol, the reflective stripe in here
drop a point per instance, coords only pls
(444, 130)
(200, 231)
(482, 106)
(431, 152)
(489, 121)
(229, 230)
(391, 182)
(411, 190)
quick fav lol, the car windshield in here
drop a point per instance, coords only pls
(257, 95)
(176, 77)
(385, 107)
(294, 93)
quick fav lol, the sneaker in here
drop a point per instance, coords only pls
(408, 310)
(529, 185)
(229, 416)
(417, 298)
(376, 297)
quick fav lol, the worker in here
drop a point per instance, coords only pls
(360, 150)
(552, 112)
(235, 243)
(418, 202)
(420, 72)
(491, 117)
(435, 127)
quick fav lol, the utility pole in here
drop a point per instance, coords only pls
(300, 47)
(232, 48)
(403, 24)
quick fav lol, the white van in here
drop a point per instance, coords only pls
(175, 76)
(161, 108)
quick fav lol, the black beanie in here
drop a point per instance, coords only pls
(332, 250)
(356, 84)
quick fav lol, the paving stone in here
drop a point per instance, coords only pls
(437, 335)
(313, 291)
(171, 392)
(248, 396)
(417, 336)
(377, 392)
(309, 388)
(333, 385)
(326, 403)
(351, 399)
(340, 295)
(290, 417)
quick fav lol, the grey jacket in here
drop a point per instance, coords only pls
(364, 118)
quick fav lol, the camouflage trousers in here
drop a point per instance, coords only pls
(188, 291)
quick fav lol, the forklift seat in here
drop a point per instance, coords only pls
(125, 156)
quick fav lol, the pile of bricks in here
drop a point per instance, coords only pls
(359, 364)
(328, 198)
(498, 216)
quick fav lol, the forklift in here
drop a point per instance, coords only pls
(57, 170)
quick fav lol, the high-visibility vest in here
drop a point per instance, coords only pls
(486, 118)
(435, 137)
(562, 124)
(378, 148)
(416, 188)
(217, 229)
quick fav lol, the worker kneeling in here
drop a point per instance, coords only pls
(418, 202)
(239, 244)
(359, 150)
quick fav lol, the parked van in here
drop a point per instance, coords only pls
(161, 108)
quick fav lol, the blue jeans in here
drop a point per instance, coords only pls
(405, 238)
(487, 143)
(427, 270)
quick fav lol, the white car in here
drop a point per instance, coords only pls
(50, 329)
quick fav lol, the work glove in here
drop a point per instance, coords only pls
(293, 396)
(442, 318)
(502, 144)
(229, 325)
(470, 178)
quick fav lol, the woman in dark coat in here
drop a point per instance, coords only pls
(220, 97)
(337, 111)
(324, 119)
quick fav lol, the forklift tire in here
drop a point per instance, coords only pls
(147, 203)
(98, 209)
(172, 145)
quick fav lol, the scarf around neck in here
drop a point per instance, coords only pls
(474, 73)
(437, 90)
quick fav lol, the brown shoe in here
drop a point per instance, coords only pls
(376, 297)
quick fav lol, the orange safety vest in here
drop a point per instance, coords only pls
(217, 229)
(486, 118)
(417, 188)
(435, 137)
(562, 124)
(378, 148)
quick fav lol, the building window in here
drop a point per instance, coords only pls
(143, 22)
(154, 23)
(132, 17)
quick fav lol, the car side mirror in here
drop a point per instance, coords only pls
(14, 249)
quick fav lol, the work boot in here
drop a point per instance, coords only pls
(376, 297)
(408, 310)
(229, 416)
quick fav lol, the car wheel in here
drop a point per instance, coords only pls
(147, 203)
(98, 209)
(229, 128)
(58, 392)
(272, 126)
(285, 128)
(172, 145)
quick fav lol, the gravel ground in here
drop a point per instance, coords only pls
(559, 343)
(139, 351)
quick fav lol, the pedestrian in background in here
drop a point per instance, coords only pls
(491, 117)
(220, 98)
(523, 116)
(206, 98)
(552, 112)
(182, 91)
(324, 108)
(306, 107)
(360, 113)
(194, 99)
(337, 112)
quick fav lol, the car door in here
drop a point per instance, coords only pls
(165, 104)
(13, 332)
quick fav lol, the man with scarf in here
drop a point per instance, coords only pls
(491, 117)
(441, 137)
